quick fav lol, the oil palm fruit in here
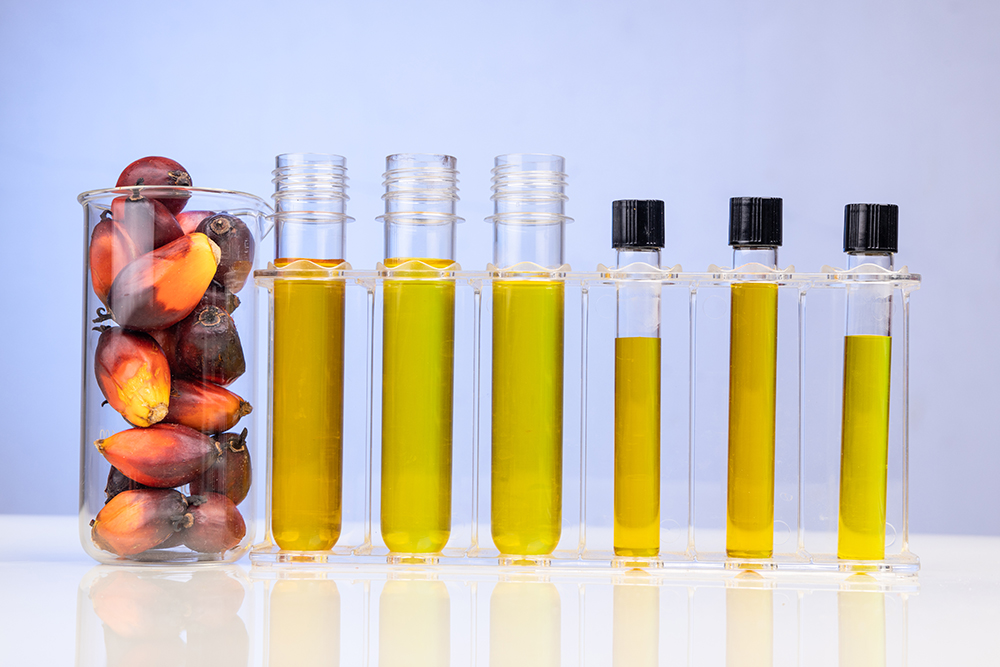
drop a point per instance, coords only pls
(162, 287)
(147, 222)
(237, 245)
(204, 406)
(137, 520)
(217, 525)
(156, 170)
(133, 375)
(231, 474)
(161, 456)
(208, 346)
(110, 250)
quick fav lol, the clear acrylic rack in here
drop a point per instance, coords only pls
(694, 370)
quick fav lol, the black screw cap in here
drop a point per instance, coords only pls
(755, 221)
(637, 223)
(871, 228)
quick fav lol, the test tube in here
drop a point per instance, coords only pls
(528, 303)
(755, 235)
(307, 415)
(418, 352)
(870, 238)
(637, 234)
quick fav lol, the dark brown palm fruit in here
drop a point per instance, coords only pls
(139, 605)
(204, 406)
(231, 474)
(166, 339)
(217, 525)
(162, 456)
(208, 346)
(236, 242)
(146, 221)
(218, 295)
(118, 482)
(162, 287)
(137, 520)
(155, 170)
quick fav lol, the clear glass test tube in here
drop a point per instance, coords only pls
(418, 350)
(870, 238)
(307, 415)
(755, 234)
(528, 327)
(637, 235)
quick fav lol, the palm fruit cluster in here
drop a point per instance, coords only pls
(167, 350)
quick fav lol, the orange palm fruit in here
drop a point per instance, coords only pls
(133, 375)
(162, 287)
(162, 456)
(204, 406)
(134, 521)
(110, 250)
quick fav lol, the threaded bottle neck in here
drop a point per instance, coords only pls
(310, 203)
(421, 196)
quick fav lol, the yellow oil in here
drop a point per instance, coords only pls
(864, 447)
(752, 357)
(308, 412)
(418, 353)
(526, 487)
(637, 447)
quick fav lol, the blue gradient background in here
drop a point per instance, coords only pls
(819, 103)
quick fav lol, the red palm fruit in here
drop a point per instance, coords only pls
(154, 170)
(117, 483)
(237, 246)
(204, 406)
(133, 374)
(166, 338)
(231, 474)
(218, 526)
(110, 250)
(134, 521)
(189, 220)
(162, 456)
(208, 346)
(162, 287)
(147, 222)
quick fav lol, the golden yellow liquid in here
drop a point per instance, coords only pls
(418, 353)
(752, 356)
(864, 447)
(308, 413)
(637, 447)
(527, 416)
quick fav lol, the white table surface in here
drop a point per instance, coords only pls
(61, 608)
